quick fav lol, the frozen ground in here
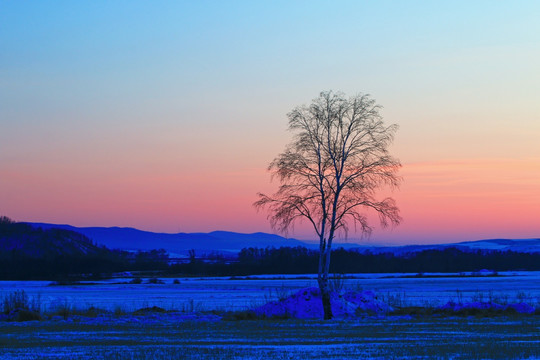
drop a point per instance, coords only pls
(173, 335)
(240, 294)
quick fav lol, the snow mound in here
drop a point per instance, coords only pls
(366, 301)
(307, 304)
(522, 308)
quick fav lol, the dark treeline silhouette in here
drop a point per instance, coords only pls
(299, 260)
(33, 253)
(28, 253)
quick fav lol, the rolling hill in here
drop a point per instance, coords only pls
(231, 242)
(517, 245)
(176, 244)
(31, 242)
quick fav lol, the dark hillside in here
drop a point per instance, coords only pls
(29, 252)
(32, 242)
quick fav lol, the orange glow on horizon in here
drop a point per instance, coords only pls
(439, 201)
(472, 198)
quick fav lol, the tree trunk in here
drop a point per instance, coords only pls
(322, 279)
(325, 295)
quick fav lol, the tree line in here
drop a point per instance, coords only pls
(257, 261)
(33, 253)
(300, 260)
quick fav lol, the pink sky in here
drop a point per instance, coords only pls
(469, 199)
(439, 201)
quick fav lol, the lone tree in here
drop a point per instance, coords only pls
(330, 172)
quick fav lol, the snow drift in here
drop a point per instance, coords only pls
(307, 304)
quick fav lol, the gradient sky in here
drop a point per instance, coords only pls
(164, 115)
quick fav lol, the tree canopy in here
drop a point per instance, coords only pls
(330, 173)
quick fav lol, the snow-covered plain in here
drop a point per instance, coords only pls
(244, 293)
(193, 334)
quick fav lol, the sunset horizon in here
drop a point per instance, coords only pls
(457, 177)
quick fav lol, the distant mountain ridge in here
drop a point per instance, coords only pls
(232, 242)
(180, 243)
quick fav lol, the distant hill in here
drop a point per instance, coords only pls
(32, 242)
(519, 245)
(29, 252)
(176, 244)
(231, 242)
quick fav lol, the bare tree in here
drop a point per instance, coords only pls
(330, 172)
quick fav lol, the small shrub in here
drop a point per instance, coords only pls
(18, 301)
(478, 297)
(413, 311)
(395, 300)
(155, 281)
(176, 281)
(119, 311)
(484, 310)
(146, 310)
(279, 293)
(355, 287)
(27, 315)
(337, 283)
(15, 300)
(522, 296)
(459, 295)
(35, 304)
(284, 316)
(136, 280)
(190, 306)
(241, 315)
(93, 312)
(63, 309)
(252, 315)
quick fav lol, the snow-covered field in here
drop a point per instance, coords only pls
(191, 333)
(243, 293)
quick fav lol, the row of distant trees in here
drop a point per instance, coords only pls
(18, 266)
(300, 260)
(15, 265)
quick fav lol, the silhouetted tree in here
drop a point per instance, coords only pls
(330, 172)
(192, 256)
(4, 220)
